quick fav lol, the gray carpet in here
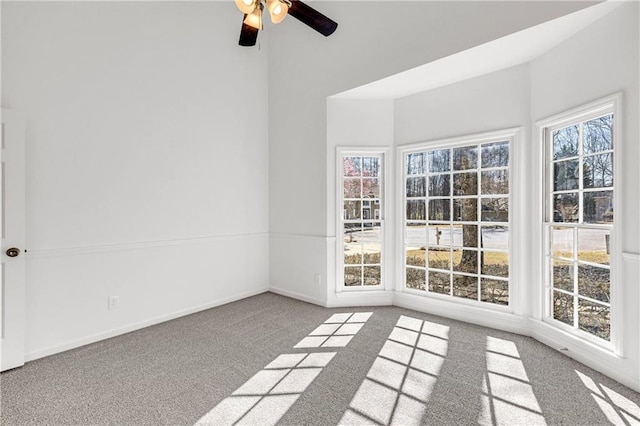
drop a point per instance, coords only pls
(271, 359)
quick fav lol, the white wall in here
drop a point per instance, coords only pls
(147, 163)
(597, 62)
(495, 101)
(305, 68)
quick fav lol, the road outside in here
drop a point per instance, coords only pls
(495, 238)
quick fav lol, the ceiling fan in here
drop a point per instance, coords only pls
(279, 9)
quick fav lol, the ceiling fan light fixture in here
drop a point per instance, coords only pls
(278, 10)
(254, 19)
(246, 6)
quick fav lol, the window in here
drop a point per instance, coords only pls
(360, 184)
(456, 223)
(579, 222)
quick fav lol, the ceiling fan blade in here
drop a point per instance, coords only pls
(311, 17)
(248, 34)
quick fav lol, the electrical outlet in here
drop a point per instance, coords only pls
(318, 279)
(112, 302)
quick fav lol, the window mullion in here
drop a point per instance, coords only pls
(575, 278)
(581, 173)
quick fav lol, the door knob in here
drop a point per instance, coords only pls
(13, 252)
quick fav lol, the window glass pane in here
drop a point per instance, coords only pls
(352, 243)
(494, 263)
(593, 245)
(465, 261)
(439, 209)
(465, 210)
(566, 207)
(465, 184)
(470, 236)
(372, 243)
(353, 256)
(416, 257)
(376, 210)
(352, 210)
(597, 134)
(416, 278)
(593, 282)
(352, 188)
(562, 274)
(371, 188)
(597, 171)
(371, 209)
(594, 318)
(456, 236)
(495, 237)
(352, 166)
(416, 187)
(439, 161)
(563, 307)
(372, 275)
(371, 166)
(439, 235)
(464, 286)
(415, 163)
(495, 155)
(495, 182)
(352, 276)
(439, 258)
(562, 242)
(495, 209)
(465, 158)
(415, 244)
(566, 175)
(456, 255)
(416, 210)
(565, 142)
(439, 282)
(439, 186)
(598, 207)
(494, 291)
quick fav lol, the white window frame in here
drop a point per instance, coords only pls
(608, 105)
(513, 136)
(383, 153)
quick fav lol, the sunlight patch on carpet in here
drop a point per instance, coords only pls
(267, 396)
(507, 395)
(270, 393)
(336, 332)
(618, 409)
(401, 379)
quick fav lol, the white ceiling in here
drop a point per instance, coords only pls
(505, 52)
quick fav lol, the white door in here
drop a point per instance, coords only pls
(12, 228)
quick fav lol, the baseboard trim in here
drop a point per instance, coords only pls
(594, 357)
(487, 318)
(297, 296)
(52, 350)
(360, 298)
